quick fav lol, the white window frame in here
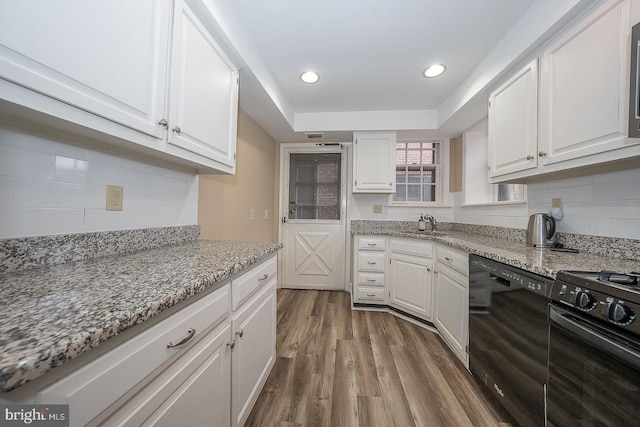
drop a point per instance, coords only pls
(442, 157)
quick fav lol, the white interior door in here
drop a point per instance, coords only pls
(313, 226)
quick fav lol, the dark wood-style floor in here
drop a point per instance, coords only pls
(337, 367)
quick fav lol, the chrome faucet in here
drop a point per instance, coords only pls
(432, 221)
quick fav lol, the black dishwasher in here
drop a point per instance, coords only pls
(508, 336)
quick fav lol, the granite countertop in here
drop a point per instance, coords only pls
(515, 253)
(51, 315)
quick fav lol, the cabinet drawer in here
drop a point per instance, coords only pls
(365, 293)
(412, 247)
(371, 261)
(372, 243)
(457, 260)
(375, 279)
(95, 386)
(244, 286)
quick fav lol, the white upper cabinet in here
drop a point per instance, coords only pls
(513, 123)
(204, 92)
(105, 57)
(146, 72)
(584, 90)
(374, 162)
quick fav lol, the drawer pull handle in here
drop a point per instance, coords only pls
(448, 259)
(371, 295)
(264, 277)
(231, 344)
(190, 333)
(240, 333)
(371, 280)
(371, 263)
(372, 244)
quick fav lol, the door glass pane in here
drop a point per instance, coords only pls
(314, 186)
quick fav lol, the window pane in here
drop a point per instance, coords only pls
(413, 157)
(429, 176)
(414, 175)
(429, 193)
(510, 192)
(413, 193)
(428, 157)
(416, 171)
(314, 186)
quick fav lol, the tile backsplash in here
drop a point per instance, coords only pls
(606, 203)
(49, 187)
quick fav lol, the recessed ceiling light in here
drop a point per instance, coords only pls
(434, 70)
(309, 77)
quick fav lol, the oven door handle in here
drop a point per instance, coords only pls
(599, 341)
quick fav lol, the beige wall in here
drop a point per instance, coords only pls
(225, 201)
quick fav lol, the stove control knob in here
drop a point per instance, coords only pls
(585, 300)
(620, 313)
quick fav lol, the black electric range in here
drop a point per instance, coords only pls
(608, 296)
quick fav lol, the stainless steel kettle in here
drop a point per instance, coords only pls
(541, 230)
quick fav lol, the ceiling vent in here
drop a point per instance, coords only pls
(314, 135)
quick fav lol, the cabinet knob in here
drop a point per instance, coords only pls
(177, 130)
(231, 344)
(529, 157)
(240, 333)
(163, 123)
(542, 154)
(448, 259)
(428, 269)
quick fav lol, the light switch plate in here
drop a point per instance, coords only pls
(377, 209)
(114, 198)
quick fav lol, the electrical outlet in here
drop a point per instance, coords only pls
(266, 214)
(556, 203)
(377, 209)
(114, 198)
(253, 214)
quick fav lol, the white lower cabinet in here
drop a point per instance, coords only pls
(204, 365)
(177, 394)
(452, 300)
(370, 270)
(254, 352)
(411, 276)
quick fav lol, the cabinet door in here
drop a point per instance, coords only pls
(106, 57)
(411, 284)
(452, 310)
(513, 123)
(254, 353)
(195, 389)
(584, 87)
(374, 163)
(203, 92)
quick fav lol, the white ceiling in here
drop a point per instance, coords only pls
(370, 55)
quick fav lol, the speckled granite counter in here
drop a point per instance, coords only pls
(53, 314)
(511, 252)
